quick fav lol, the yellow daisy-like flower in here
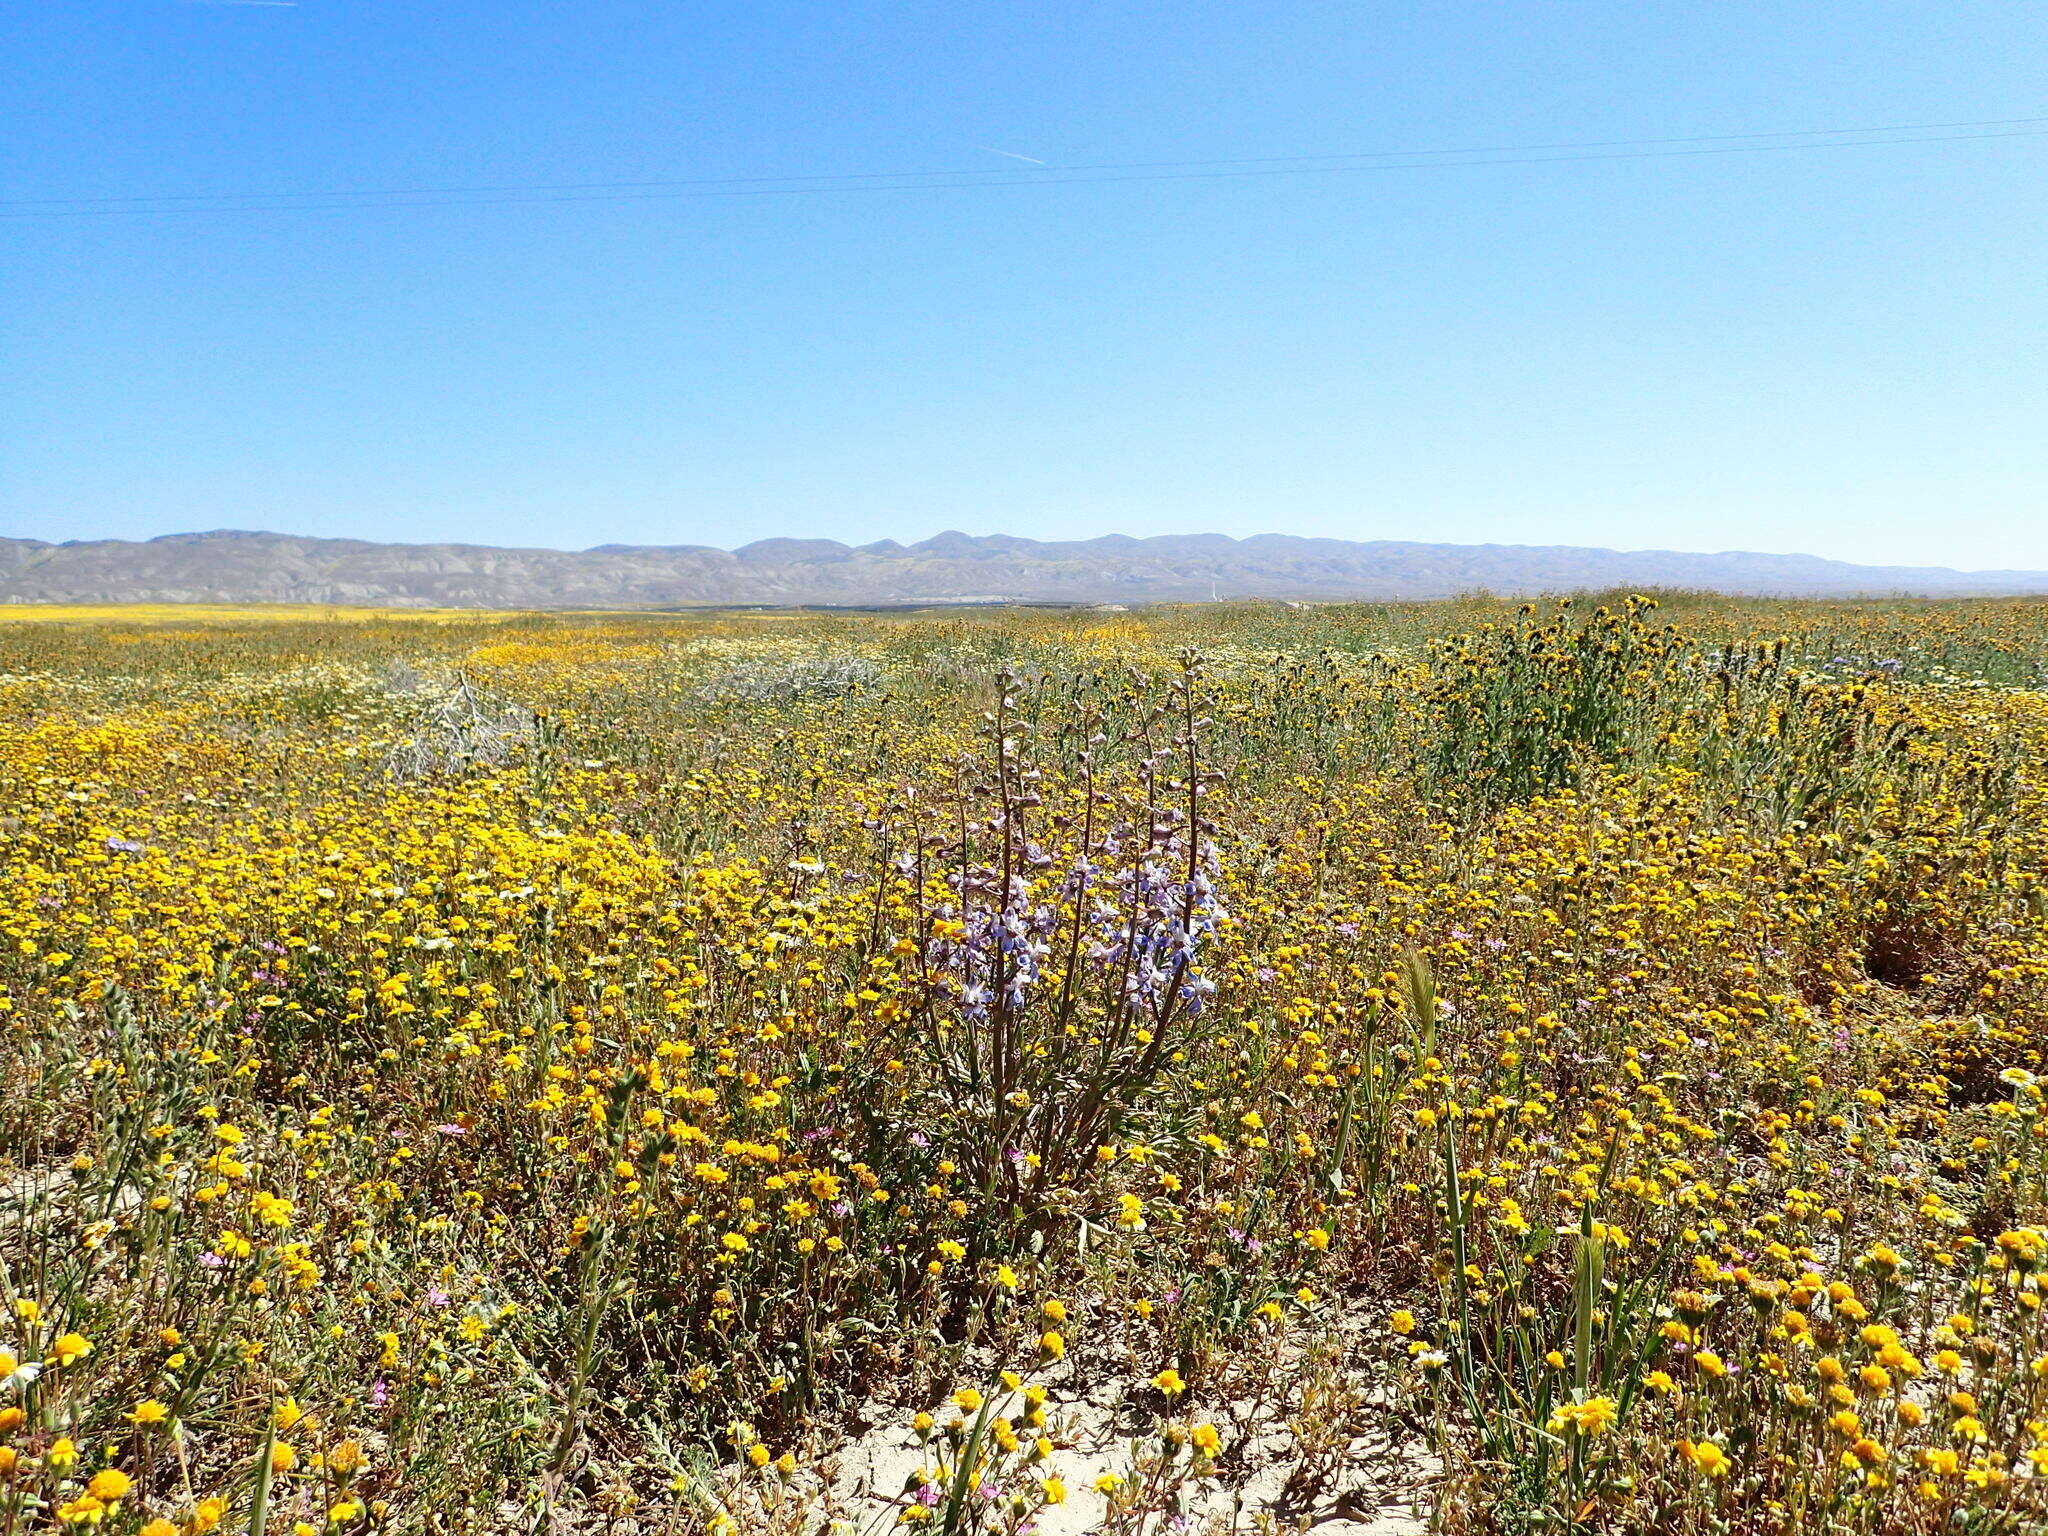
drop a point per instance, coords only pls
(1707, 1457)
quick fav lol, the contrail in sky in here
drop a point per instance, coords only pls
(989, 148)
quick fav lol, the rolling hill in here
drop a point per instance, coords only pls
(232, 566)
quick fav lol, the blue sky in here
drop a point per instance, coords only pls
(1832, 350)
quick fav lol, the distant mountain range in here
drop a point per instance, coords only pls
(950, 568)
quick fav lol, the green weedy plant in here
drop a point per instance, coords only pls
(1518, 711)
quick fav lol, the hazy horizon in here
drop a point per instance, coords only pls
(913, 544)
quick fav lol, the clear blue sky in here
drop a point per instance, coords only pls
(1837, 350)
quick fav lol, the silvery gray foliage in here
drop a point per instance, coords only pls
(776, 682)
(456, 730)
(402, 678)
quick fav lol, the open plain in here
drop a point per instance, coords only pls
(1472, 1065)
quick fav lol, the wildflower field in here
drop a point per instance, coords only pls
(1465, 1066)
